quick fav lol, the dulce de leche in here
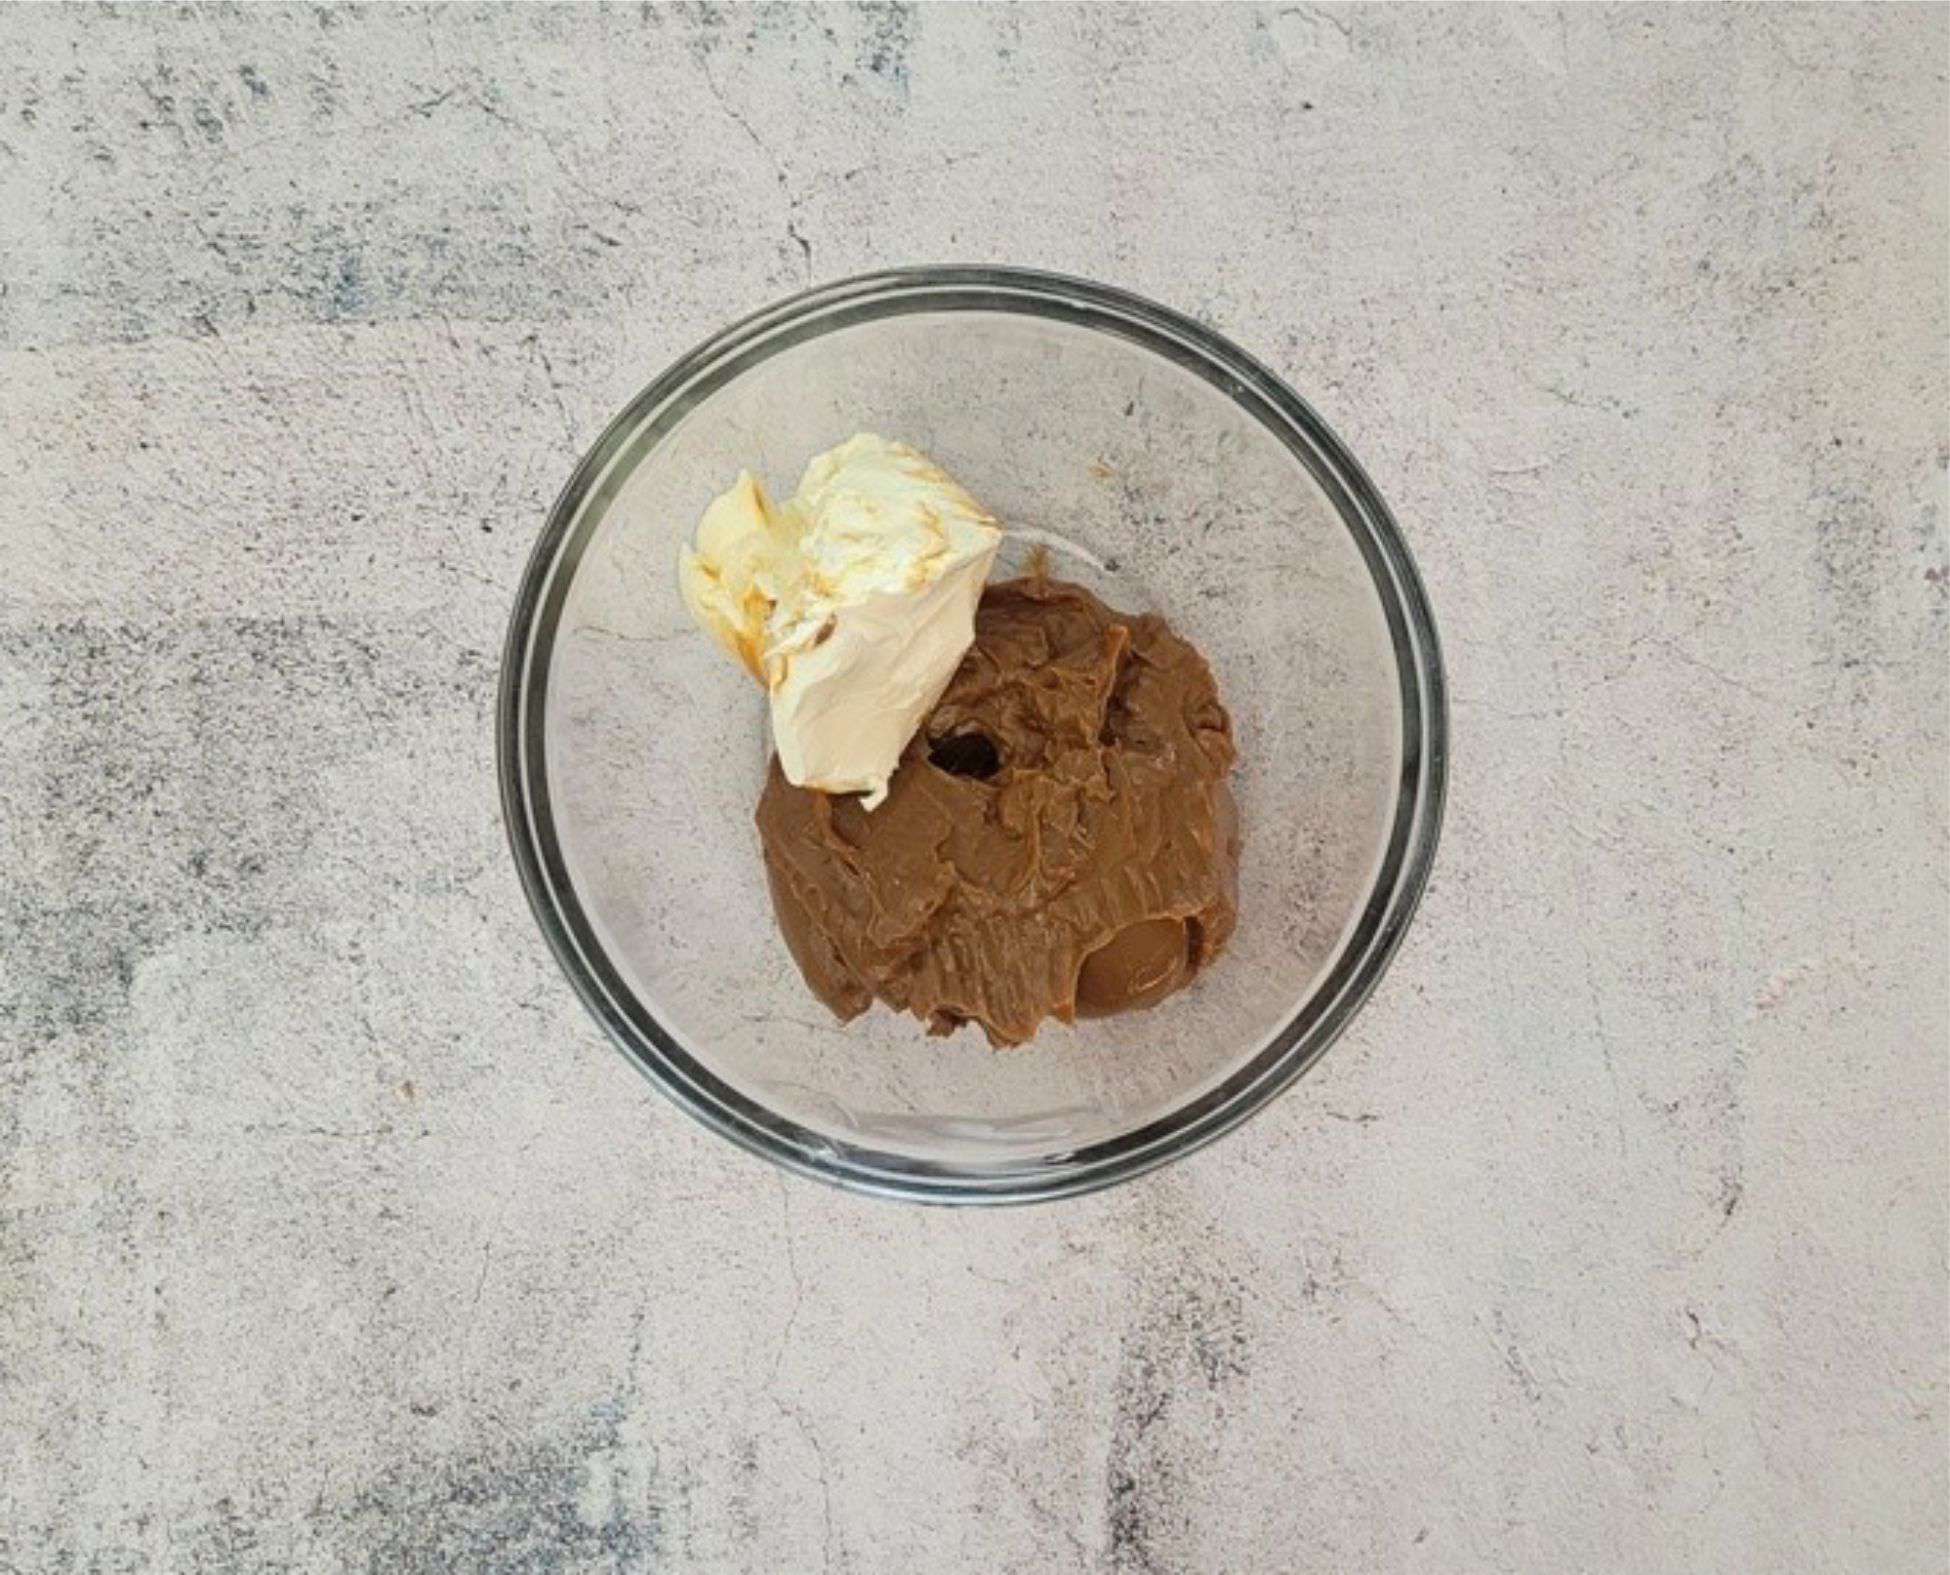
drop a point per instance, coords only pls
(1060, 838)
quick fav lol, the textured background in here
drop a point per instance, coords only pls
(332, 1234)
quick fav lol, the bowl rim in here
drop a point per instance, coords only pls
(520, 742)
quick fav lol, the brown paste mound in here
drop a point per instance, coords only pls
(1059, 840)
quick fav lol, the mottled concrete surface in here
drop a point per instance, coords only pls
(333, 1235)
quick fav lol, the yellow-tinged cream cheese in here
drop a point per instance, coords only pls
(852, 603)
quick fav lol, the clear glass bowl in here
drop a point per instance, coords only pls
(1167, 471)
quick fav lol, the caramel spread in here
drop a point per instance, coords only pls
(1059, 839)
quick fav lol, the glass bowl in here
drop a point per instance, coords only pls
(1163, 468)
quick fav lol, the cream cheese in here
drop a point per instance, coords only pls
(852, 603)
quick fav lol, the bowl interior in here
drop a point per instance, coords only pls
(1152, 485)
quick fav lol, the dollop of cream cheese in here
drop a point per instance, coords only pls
(852, 602)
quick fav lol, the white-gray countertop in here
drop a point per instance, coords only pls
(333, 1235)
